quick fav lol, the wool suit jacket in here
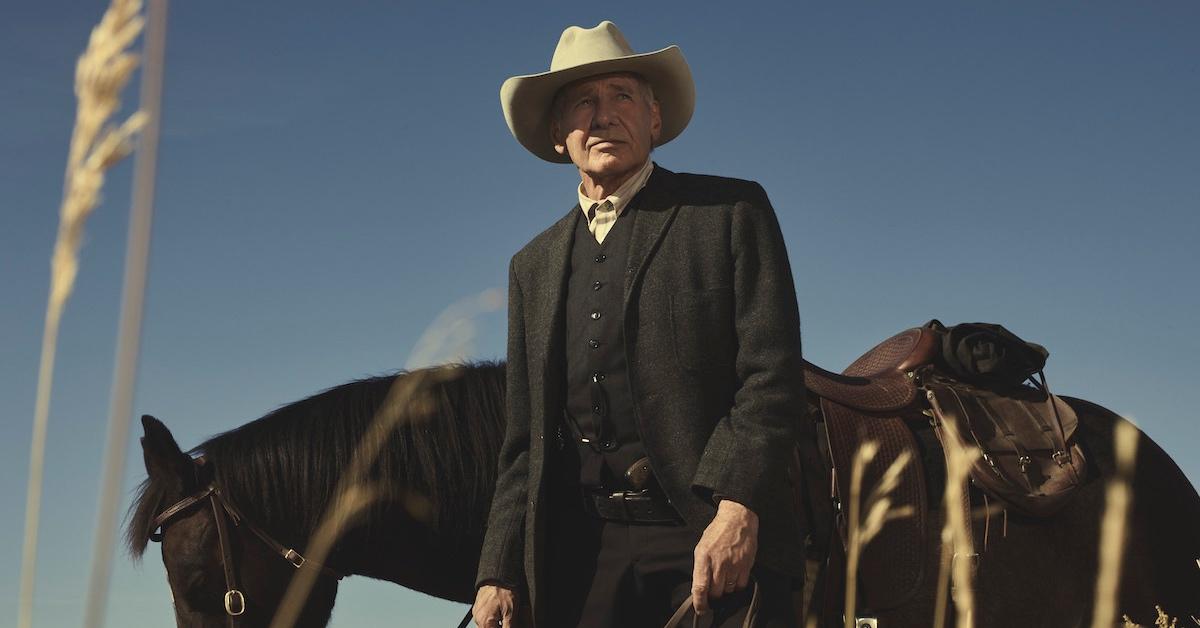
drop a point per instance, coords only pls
(711, 333)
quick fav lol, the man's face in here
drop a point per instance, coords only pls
(605, 125)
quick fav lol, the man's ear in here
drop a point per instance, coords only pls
(559, 142)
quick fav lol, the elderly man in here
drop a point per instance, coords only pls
(654, 386)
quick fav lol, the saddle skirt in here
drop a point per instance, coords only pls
(874, 399)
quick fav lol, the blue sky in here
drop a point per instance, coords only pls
(334, 175)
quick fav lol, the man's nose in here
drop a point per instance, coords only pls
(603, 115)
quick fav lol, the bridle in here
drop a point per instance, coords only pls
(224, 512)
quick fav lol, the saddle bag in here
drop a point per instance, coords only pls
(1029, 457)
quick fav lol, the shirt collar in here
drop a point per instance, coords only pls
(621, 197)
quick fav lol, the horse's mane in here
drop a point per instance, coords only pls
(282, 470)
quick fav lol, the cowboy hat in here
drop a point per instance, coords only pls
(584, 52)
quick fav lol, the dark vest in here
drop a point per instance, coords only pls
(599, 402)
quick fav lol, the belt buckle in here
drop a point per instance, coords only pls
(624, 497)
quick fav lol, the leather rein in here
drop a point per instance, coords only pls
(224, 513)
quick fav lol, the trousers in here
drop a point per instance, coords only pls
(605, 574)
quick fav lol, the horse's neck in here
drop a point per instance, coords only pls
(414, 555)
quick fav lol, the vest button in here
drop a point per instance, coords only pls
(598, 376)
(600, 258)
(595, 409)
(596, 285)
(596, 315)
(593, 343)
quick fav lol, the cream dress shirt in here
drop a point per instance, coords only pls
(602, 214)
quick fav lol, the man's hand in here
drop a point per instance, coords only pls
(725, 554)
(494, 605)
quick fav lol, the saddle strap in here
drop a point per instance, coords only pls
(705, 620)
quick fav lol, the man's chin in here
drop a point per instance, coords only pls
(608, 165)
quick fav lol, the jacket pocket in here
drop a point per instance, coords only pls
(702, 329)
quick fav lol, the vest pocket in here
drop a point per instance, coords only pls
(702, 329)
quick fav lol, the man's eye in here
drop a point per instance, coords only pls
(625, 96)
(583, 102)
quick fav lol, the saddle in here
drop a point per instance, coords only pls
(883, 379)
(875, 399)
(897, 395)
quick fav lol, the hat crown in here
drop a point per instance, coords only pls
(579, 46)
(587, 52)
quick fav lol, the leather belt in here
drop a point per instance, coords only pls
(631, 507)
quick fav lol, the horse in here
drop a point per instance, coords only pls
(1041, 572)
(277, 475)
(269, 482)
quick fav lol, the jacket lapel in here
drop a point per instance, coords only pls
(551, 287)
(655, 210)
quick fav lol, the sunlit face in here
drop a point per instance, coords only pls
(606, 125)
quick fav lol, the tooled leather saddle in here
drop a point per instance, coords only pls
(899, 395)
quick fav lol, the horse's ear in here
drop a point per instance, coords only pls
(164, 460)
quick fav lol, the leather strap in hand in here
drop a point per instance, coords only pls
(705, 621)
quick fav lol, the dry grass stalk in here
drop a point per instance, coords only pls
(1112, 527)
(1163, 620)
(878, 506)
(100, 75)
(956, 537)
(133, 292)
(448, 338)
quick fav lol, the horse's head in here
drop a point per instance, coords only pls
(220, 574)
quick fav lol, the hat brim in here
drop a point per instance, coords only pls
(526, 100)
